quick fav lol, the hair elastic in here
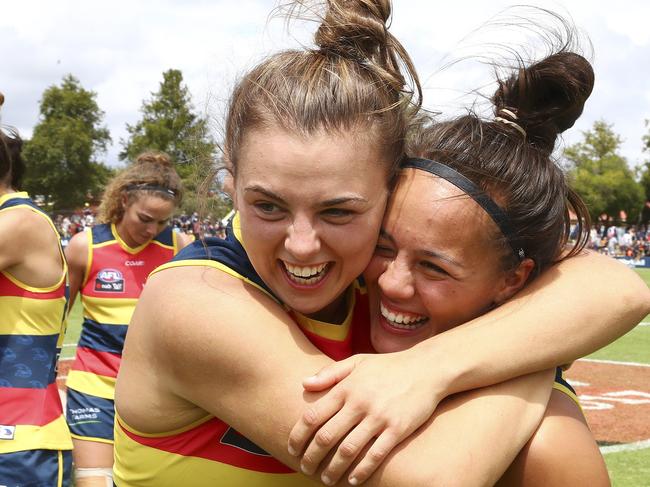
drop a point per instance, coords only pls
(150, 187)
(512, 124)
(467, 186)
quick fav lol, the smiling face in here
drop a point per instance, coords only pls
(436, 265)
(310, 212)
(145, 216)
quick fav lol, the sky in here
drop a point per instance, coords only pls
(119, 50)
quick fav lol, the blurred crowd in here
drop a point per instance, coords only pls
(69, 224)
(631, 241)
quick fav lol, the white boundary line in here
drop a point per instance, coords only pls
(613, 362)
(644, 323)
(637, 445)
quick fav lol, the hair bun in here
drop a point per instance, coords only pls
(153, 157)
(2, 99)
(548, 96)
(354, 28)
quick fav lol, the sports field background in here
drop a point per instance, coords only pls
(627, 468)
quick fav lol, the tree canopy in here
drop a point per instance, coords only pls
(170, 124)
(61, 157)
(602, 176)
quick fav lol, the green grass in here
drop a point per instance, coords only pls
(629, 469)
(631, 347)
(75, 318)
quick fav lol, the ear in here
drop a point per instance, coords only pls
(515, 280)
(124, 200)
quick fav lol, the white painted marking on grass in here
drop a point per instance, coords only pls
(69, 345)
(644, 323)
(637, 445)
(613, 362)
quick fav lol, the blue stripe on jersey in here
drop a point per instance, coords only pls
(36, 468)
(165, 237)
(102, 233)
(228, 251)
(21, 201)
(28, 361)
(103, 338)
(560, 380)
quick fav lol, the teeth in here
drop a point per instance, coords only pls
(304, 275)
(403, 321)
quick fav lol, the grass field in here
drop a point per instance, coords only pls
(627, 469)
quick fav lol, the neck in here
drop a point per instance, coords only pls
(125, 238)
(6, 189)
(335, 312)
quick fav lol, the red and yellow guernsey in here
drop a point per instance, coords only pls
(31, 334)
(115, 276)
(209, 452)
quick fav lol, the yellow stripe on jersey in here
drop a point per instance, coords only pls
(93, 384)
(40, 317)
(33, 289)
(139, 465)
(564, 389)
(214, 265)
(328, 330)
(109, 311)
(52, 436)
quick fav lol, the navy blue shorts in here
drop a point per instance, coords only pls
(90, 417)
(36, 468)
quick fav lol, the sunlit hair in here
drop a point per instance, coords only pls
(351, 80)
(515, 165)
(152, 173)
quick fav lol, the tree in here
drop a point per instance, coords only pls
(169, 124)
(602, 176)
(61, 157)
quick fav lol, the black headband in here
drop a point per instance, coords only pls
(467, 186)
(150, 187)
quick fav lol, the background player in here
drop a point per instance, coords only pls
(34, 439)
(109, 265)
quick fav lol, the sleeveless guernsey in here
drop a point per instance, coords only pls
(31, 335)
(209, 450)
(114, 278)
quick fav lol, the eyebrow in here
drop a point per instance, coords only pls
(331, 202)
(429, 253)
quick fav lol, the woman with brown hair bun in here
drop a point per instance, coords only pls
(109, 265)
(35, 445)
(479, 211)
(209, 385)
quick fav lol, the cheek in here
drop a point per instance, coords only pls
(375, 269)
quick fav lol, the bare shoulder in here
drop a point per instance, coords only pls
(76, 252)
(184, 239)
(562, 451)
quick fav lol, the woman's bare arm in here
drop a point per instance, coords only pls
(224, 346)
(573, 309)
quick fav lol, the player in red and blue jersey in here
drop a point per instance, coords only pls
(35, 445)
(109, 265)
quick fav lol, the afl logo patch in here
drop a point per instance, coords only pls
(110, 281)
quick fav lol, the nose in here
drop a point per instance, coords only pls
(302, 240)
(397, 280)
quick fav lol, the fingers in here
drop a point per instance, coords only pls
(328, 437)
(328, 376)
(349, 450)
(374, 457)
(312, 418)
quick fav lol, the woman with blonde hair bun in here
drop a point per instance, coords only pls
(109, 265)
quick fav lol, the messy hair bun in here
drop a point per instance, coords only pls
(152, 173)
(354, 78)
(546, 97)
